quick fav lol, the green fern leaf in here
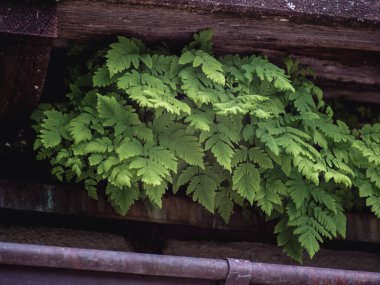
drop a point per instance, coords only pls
(246, 181)
(155, 193)
(258, 156)
(210, 66)
(123, 198)
(203, 39)
(184, 145)
(53, 128)
(309, 239)
(200, 121)
(129, 148)
(299, 192)
(203, 190)
(78, 128)
(374, 175)
(164, 157)
(325, 220)
(120, 176)
(151, 172)
(128, 80)
(374, 203)
(288, 240)
(99, 145)
(122, 55)
(95, 159)
(224, 203)
(102, 77)
(325, 198)
(223, 153)
(185, 177)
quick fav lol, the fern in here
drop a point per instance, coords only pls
(227, 131)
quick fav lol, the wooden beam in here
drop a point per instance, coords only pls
(28, 18)
(321, 12)
(86, 19)
(67, 200)
(26, 34)
(339, 39)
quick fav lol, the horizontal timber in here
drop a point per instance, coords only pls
(85, 19)
(340, 41)
(26, 34)
(67, 200)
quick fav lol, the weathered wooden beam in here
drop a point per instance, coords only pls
(85, 19)
(26, 34)
(342, 74)
(67, 200)
(74, 201)
(322, 12)
(28, 18)
(339, 39)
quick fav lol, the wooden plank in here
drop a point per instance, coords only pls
(85, 19)
(74, 201)
(342, 74)
(28, 18)
(23, 67)
(68, 200)
(26, 33)
(339, 39)
(323, 12)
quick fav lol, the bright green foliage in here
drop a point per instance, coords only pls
(226, 131)
(366, 158)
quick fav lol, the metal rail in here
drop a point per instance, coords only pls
(36, 264)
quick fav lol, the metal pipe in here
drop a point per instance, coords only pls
(264, 273)
(112, 261)
(172, 266)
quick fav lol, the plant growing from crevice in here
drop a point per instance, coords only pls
(227, 130)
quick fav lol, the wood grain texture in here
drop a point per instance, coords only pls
(339, 39)
(26, 33)
(62, 237)
(28, 18)
(326, 12)
(68, 200)
(85, 19)
(23, 67)
(343, 49)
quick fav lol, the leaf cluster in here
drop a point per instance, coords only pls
(231, 130)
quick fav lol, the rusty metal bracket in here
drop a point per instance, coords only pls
(239, 272)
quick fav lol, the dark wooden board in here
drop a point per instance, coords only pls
(68, 200)
(28, 18)
(339, 39)
(85, 19)
(23, 67)
(26, 33)
(350, 13)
